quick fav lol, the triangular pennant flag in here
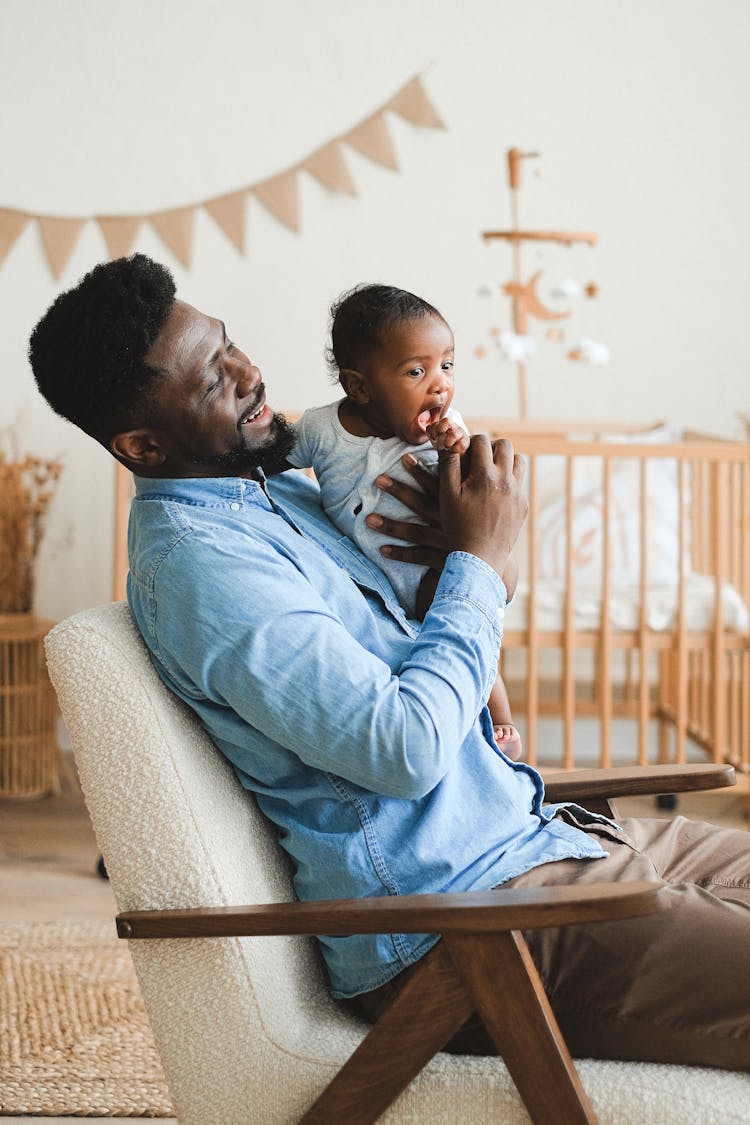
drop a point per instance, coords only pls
(413, 104)
(229, 212)
(175, 228)
(120, 233)
(329, 166)
(11, 225)
(372, 139)
(59, 237)
(281, 196)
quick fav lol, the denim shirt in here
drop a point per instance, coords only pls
(363, 735)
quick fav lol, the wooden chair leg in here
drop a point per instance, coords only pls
(508, 993)
(429, 1010)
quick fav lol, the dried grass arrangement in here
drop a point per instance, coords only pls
(27, 484)
(28, 744)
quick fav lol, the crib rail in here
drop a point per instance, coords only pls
(687, 538)
(694, 682)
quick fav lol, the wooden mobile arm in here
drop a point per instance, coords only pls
(566, 237)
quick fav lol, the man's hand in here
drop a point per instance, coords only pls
(434, 538)
(483, 513)
(430, 548)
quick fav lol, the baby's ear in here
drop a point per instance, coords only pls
(355, 385)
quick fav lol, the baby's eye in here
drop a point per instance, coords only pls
(416, 372)
(448, 365)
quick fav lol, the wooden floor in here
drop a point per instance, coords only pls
(48, 858)
(48, 855)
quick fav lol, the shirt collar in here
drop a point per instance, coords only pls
(208, 491)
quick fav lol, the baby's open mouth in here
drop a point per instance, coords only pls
(427, 417)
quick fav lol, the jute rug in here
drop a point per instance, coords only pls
(74, 1037)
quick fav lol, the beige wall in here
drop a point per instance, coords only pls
(640, 110)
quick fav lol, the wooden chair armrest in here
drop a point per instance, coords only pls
(471, 911)
(633, 781)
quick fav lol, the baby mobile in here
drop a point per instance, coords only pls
(517, 344)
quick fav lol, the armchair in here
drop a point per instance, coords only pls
(244, 1024)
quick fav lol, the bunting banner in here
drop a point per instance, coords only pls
(279, 194)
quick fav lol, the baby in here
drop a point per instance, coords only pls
(392, 352)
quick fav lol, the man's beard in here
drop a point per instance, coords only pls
(271, 456)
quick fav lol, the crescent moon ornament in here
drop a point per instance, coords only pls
(526, 303)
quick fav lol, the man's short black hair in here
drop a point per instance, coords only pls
(88, 352)
(361, 317)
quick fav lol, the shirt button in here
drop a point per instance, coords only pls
(234, 506)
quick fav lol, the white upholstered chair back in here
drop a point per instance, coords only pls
(244, 1026)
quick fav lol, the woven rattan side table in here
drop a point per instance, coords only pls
(28, 710)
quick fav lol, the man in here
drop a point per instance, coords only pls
(363, 735)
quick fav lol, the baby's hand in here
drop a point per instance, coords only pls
(445, 434)
(508, 740)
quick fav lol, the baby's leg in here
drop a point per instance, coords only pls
(506, 736)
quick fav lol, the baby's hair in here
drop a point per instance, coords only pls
(361, 316)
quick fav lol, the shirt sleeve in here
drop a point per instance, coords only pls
(274, 651)
(301, 455)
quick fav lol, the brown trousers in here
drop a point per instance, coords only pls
(668, 987)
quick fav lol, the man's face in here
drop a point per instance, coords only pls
(210, 404)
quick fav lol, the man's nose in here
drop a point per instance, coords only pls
(248, 377)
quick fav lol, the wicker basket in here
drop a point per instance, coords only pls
(28, 709)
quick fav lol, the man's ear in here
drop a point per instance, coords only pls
(138, 449)
(356, 386)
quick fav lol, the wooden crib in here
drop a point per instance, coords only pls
(633, 595)
(634, 588)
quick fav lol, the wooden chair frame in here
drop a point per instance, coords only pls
(482, 942)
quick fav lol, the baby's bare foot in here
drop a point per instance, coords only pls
(508, 740)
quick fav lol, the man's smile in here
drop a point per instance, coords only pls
(259, 412)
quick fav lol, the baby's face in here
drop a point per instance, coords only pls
(410, 379)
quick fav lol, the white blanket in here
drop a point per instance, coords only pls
(625, 606)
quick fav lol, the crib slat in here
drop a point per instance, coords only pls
(644, 709)
(605, 647)
(682, 671)
(720, 512)
(568, 631)
(532, 629)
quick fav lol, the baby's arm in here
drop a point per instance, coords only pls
(510, 576)
(506, 736)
